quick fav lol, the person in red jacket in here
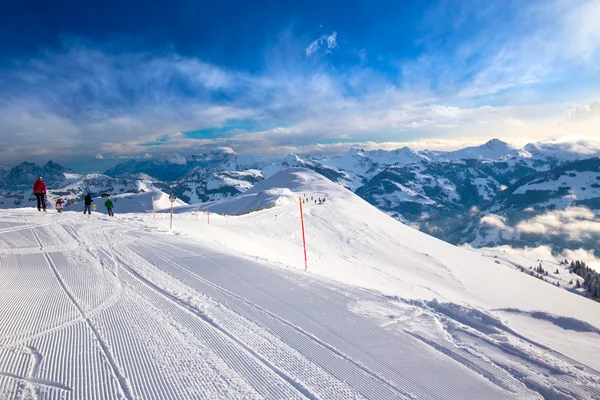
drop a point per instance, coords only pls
(39, 189)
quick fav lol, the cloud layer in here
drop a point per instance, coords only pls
(93, 98)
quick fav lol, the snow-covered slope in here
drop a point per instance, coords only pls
(441, 193)
(141, 202)
(224, 310)
(494, 149)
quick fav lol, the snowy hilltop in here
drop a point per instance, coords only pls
(482, 196)
(223, 306)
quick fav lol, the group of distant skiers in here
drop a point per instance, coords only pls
(39, 190)
(317, 200)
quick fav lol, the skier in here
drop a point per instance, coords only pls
(39, 189)
(109, 206)
(88, 204)
(59, 205)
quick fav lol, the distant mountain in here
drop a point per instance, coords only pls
(559, 207)
(162, 170)
(16, 184)
(494, 149)
(26, 173)
(202, 185)
(572, 184)
(477, 195)
(172, 168)
(557, 153)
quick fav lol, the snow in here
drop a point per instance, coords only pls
(133, 202)
(494, 149)
(404, 194)
(483, 187)
(581, 185)
(96, 307)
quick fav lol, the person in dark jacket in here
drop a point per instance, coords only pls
(88, 203)
(109, 206)
(39, 190)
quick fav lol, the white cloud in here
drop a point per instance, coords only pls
(177, 159)
(130, 104)
(579, 223)
(329, 40)
(585, 112)
(510, 45)
(494, 220)
(99, 156)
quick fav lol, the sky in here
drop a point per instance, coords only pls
(96, 82)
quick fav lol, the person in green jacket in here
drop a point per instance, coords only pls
(109, 206)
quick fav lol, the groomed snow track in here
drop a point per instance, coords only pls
(94, 309)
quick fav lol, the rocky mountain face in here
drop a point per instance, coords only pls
(24, 174)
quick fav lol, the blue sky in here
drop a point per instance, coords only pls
(110, 80)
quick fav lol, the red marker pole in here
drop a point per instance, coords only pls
(171, 225)
(153, 212)
(197, 208)
(303, 237)
(207, 217)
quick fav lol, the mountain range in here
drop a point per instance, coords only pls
(545, 193)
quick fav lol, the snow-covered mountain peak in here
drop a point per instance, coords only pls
(293, 160)
(496, 145)
(494, 149)
(356, 151)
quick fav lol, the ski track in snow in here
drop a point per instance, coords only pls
(105, 311)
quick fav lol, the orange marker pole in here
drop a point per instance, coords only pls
(207, 217)
(303, 236)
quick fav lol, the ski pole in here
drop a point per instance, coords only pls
(30, 198)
